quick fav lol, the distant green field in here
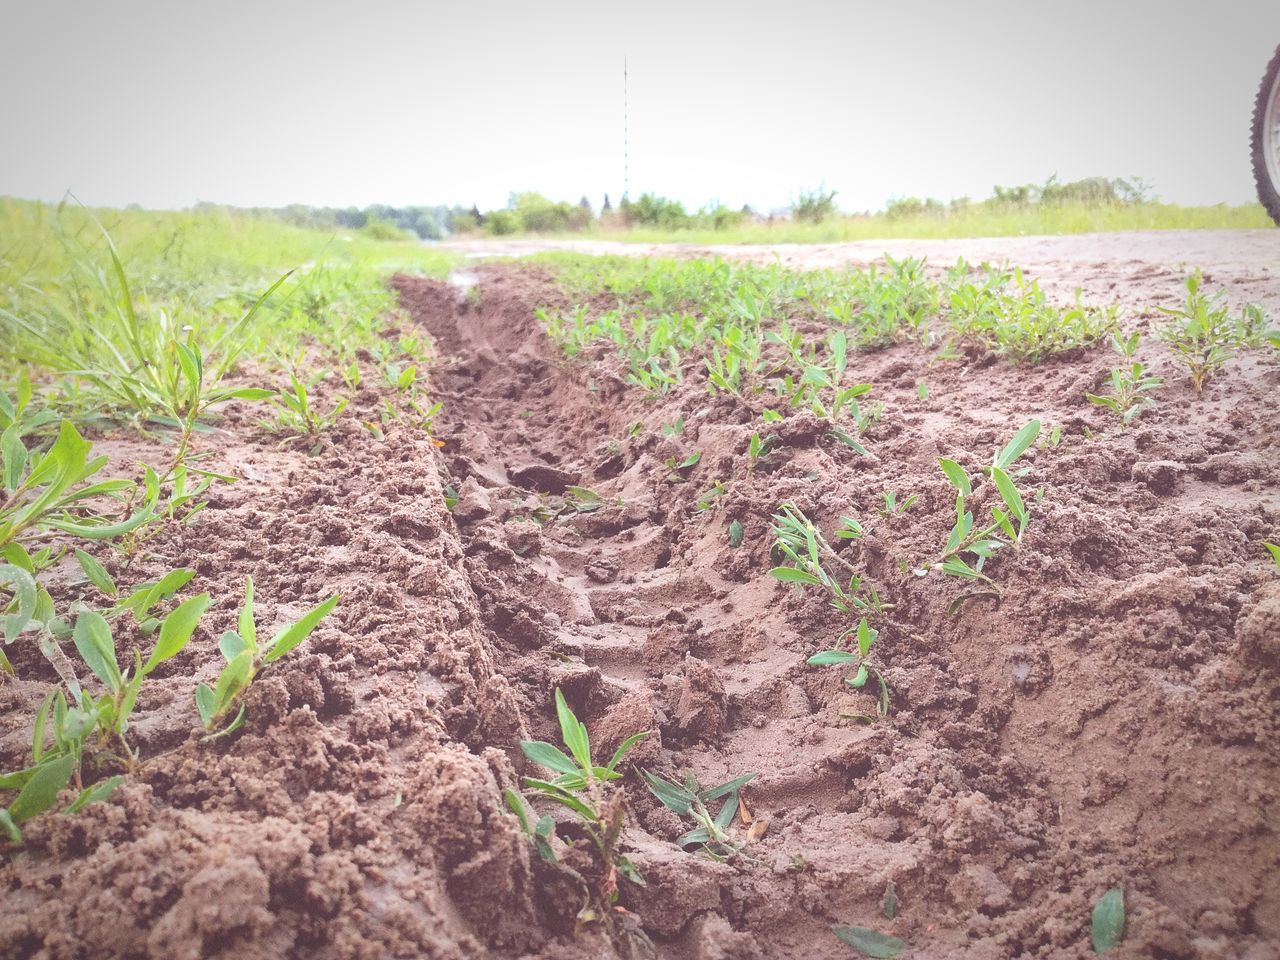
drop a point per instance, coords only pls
(201, 269)
(197, 250)
(980, 220)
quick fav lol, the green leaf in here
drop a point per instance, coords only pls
(231, 645)
(206, 705)
(1274, 551)
(827, 658)
(235, 676)
(9, 828)
(956, 567)
(868, 942)
(291, 636)
(671, 795)
(1002, 519)
(542, 838)
(849, 442)
(96, 573)
(41, 791)
(1108, 920)
(726, 788)
(13, 457)
(99, 791)
(859, 678)
(624, 747)
(561, 796)
(93, 639)
(1019, 444)
(573, 732)
(23, 585)
(792, 575)
(736, 534)
(245, 625)
(165, 587)
(241, 393)
(516, 805)
(176, 630)
(1009, 493)
(866, 636)
(955, 473)
(548, 755)
(16, 780)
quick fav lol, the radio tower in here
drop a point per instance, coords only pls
(626, 173)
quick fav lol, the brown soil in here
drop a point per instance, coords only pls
(1112, 720)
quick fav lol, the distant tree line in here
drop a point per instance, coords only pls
(530, 212)
(1089, 192)
(427, 223)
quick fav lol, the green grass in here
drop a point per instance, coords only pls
(106, 324)
(975, 220)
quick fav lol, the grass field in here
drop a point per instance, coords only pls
(976, 221)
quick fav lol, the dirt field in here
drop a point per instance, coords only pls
(1112, 720)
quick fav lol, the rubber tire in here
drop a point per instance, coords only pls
(1268, 192)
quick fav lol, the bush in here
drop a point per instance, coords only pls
(501, 222)
(720, 217)
(904, 208)
(656, 212)
(376, 229)
(814, 207)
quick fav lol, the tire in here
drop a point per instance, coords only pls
(1266, 139)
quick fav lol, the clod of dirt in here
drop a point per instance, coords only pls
(473, 501)
(1258, 630)
(700, 711)
(1030, 670)
(1161, 477)
(634, 713)
(677, 886)
(524, 537)
(543, 477)
(714, 939)
(978, 888)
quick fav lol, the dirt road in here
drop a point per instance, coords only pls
(1129, 266)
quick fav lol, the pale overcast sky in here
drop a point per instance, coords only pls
(267, 103)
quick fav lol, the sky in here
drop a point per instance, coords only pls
(273, 102)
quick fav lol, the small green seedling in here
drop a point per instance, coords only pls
(246, 659)
(758, 448)
(296, 414)
(678, 467)
(53, 766)
(893, 506)
(49, 492)
(583, 788)
(1130, 385)
(869, 943)
(1009, 523)
(1203, 335)
(1274, 551)
(689, 800)
(837, 656)
(1107, 927)
(97, 647)
(821, 387)
(712, 497)
(802, 548)
(889, 902)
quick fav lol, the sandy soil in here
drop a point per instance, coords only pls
(1112, 720)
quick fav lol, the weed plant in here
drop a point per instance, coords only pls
(1131, 385)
